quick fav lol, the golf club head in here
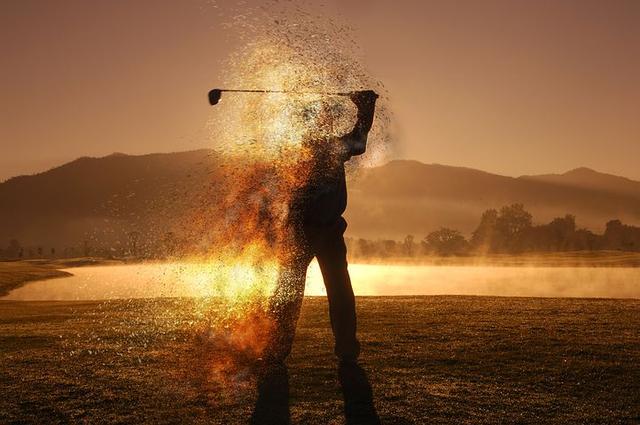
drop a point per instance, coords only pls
(214, 96)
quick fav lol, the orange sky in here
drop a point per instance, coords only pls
(513, 87)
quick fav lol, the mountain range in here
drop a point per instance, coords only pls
(102, 198)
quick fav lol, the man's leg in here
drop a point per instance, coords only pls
(272, 404)
(285, 304)
(331, 253)
(332, 257)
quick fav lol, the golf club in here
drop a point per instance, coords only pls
(215, 94)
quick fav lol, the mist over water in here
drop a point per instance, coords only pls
(194, 280)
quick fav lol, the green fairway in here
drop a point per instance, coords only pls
(429, 359)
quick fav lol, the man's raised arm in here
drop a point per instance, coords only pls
(356, 141)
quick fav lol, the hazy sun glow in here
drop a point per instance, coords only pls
(235, 279)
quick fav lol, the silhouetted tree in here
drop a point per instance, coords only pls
(614, 234)
(446, 241)
(558, 235)
(562, 231)
(620, 236)
(586, 240)
(389, 248)
(409, 246)
(482, 238)
(366, 248)
(511, 225)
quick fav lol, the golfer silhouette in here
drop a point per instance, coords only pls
(316, 227)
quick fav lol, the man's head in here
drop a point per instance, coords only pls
(328, 117)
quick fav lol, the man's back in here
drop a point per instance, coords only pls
(323, 198)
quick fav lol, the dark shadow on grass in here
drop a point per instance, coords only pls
(358, 396)
(272, 405)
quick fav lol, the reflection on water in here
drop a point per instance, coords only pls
(188, 280)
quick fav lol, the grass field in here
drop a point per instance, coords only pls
(429, 359)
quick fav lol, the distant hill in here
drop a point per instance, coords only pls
(104, 198)
(405, 197)
(590, 179)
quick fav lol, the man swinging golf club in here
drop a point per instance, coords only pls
(317, 229)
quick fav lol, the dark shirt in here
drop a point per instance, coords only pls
(323, 199)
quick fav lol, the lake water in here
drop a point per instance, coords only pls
(188, 280)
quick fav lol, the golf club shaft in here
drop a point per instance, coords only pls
(284, 91)
(216, 94)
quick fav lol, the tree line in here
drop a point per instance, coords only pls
(134, 245)
(509, 230)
